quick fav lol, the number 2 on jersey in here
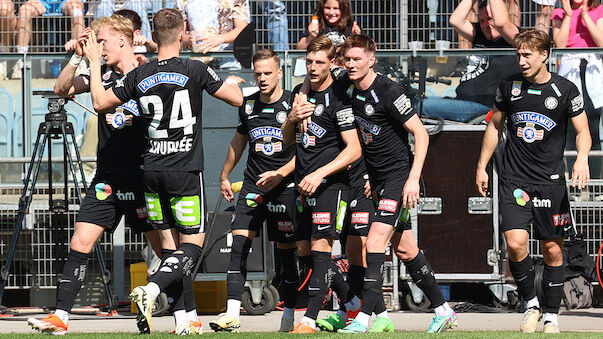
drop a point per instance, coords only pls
(181, 103)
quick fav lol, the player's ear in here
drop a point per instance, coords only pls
(280, 73)
(154, 37)
(372, 60)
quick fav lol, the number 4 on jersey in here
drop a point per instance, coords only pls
(181, 104)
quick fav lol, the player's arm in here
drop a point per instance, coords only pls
(410, 193)
(500, 16)
(459, 19)
(230, 92)
(351, 152)
(489, 143)
(271, 179)
(235, 151)
(581, 172)
(102, 100)
(67, 83)
(300, 110)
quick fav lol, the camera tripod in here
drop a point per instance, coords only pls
(55, 126)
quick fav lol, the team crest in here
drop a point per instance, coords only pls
(281, 116)
(319, 109)
(107, 75)
(118, 120)
(269, 147)
(516, 89)
(305, 139)
(529, 133)
(369, 109)
(551, 103)
(249, 106)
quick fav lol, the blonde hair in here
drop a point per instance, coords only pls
(117, 23)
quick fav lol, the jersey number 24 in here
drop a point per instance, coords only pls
(181, 103)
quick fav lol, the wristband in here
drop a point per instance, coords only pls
(75, 60)
(231, 81)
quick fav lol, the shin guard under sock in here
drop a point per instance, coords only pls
(355, 281)
(237, 267)
(338, 284)
(290, 279)
(373, 280)
(71, 281)
(422, 274)
(318, 283)
(553, 278)
(177, 265)
(523, 273)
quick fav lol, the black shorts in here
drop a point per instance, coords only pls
(322, 215)
(547, 207)
(274, 207)
(387, 195)
(360, 213)
(175, 199)
(111, 196)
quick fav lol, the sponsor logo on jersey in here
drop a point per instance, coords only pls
(366, 137)
(562, 219)
(529, 133)
(516, 98)
(577, 103)
(107, 75)
(360, 97)
(321, 218)
(164, 147)
(268, 110)
(498, 97)
(281, 116)
(125, 196)
(536, 118)
(249, 106)
(369, 109)
(269, 148)
(541, 203)
(550, 102)
(360, 218)
(305, 139)
(118, 119)
(141, 213)
(319, 109)
(368, 126)
(284, 225)
(131, 106)
(388, 205)
(316, 129)
(310, 201)
(102, 190)
(162, 78)
(403, 104)
(516, 88)
(265, 131)
(278, 208)
(521, 197)
(345, 116)
(534, 91)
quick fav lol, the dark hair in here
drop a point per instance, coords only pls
(592, 4)
(360, 40)
(322, 43)
(482, 4)
(346, 14)
(133, 16)
(533, 39)
(264, 54)
(168, 23)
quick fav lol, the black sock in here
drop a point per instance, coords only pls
(422, 274)
(318, 282)
(373, 280)
(188, 294)
(174, 292)
(71, 281)
(380, 305)
(523, 273)
(355, 281)
(177, 265)
(338, 284)
(553, 278)
(290, 280)
(237, 267)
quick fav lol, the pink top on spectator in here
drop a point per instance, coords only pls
(578, 34)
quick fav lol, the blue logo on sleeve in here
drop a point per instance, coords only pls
(162, 78)
(131, 106)
(265, 131)
(533, 117)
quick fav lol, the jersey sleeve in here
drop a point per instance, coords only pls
(125, 89)
(206, 77)
(344, 115)
(576, 102)
(501, 101)
(398, 104)
(242, 126)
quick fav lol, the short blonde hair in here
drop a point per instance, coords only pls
(116, 22)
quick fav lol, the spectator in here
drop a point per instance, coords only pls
(579, 24)
(334, 20)
(278, 31)
(141, 7)
(214, 24)
(476, 91)
(34, 8)
(7, 25)
(543, 14)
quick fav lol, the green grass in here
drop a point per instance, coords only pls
(261, 335)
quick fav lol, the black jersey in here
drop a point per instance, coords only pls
(358, 174)
(381, 112)
(123, 126)
(262, 122)
(169, 94)
(537, 120)
(322, 142)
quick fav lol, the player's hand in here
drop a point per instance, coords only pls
(92, 49)
(238, 79)
(210, 42)
(367, 189)
(481, 181)
(300, 110)
(410, 193)
(580, 173)
(226, 190)
(139, 40)
(355, 28)
(310, 183)
(73, 45)
(269, 180)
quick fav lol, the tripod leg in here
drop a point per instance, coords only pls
(24, 203)
(99, 255)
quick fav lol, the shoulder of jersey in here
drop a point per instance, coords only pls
(254, 96)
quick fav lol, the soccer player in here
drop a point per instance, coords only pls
(168, 92)
(539, 106)
(117, 189)
(385, 116)
(323, 154)
(268, 188)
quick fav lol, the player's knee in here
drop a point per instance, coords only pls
(517, 248)
(552, 254)
(82, 242)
